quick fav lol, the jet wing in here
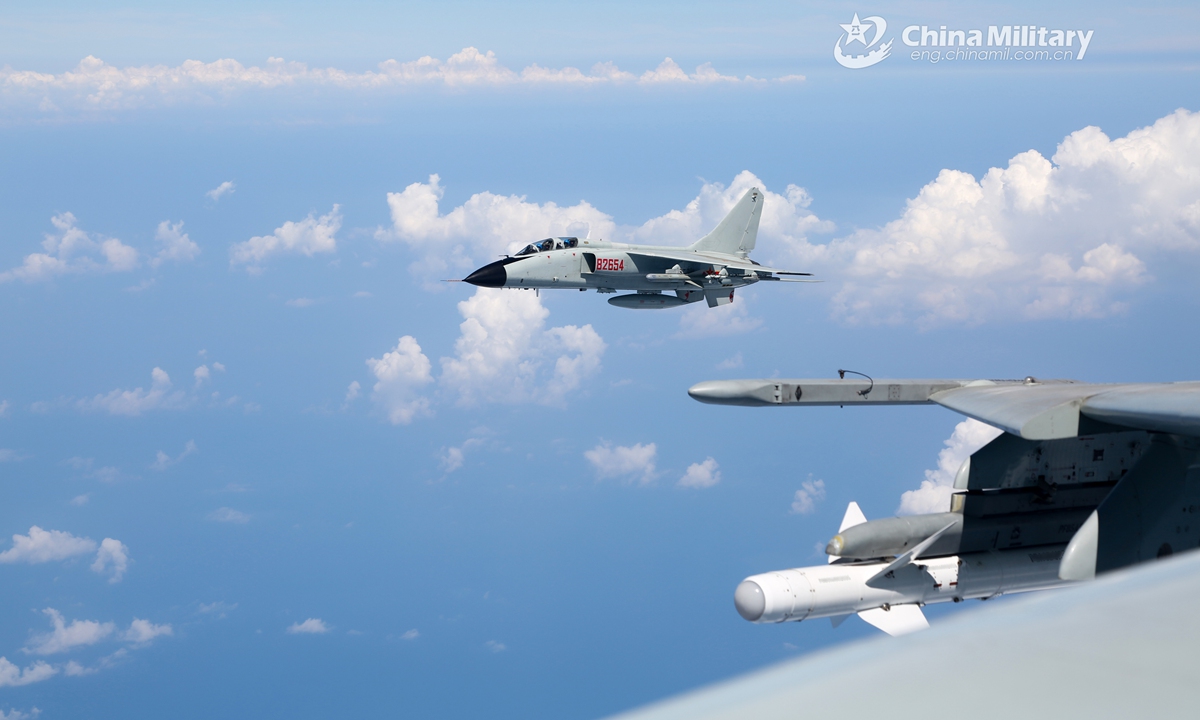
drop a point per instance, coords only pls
(1030, 409)
(714, 259)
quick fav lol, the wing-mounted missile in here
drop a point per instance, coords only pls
(888, 537)
(914, 554)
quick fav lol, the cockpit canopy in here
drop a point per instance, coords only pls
(549, 244)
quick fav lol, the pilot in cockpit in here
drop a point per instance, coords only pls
(549, 244)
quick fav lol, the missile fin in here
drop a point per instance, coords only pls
(854, 516)
(911, 556)
(897, 619)
(837, 620)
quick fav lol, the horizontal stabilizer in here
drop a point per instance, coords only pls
(911, 556)
(897, 619)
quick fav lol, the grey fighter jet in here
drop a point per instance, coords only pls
(710, 269)
(1085, 479)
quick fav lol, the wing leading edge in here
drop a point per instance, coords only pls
(1030, 409)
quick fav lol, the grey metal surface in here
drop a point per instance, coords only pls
(1121, 646)
(1171, 407)
(1031, 409)
(822, 391)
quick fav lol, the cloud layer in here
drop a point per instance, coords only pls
(42, 546)
(1072, 236)
(139, 400)
(307, 237)
(504, 353)
(94, 83)
(72, 250)
(1064, 237)
(487, 224)
(701, 475)
(632, 463)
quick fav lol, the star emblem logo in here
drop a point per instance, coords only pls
(856, 31)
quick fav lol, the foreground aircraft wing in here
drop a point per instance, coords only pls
(1111, 470)
(716, 260)
(1030, 409)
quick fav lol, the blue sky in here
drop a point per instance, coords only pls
(487, 518)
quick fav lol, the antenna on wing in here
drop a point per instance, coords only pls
(864, 393)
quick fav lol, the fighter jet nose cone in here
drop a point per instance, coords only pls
(835, 546)
(491, 275)
(750, 600)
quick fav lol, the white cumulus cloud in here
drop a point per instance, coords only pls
(634, 463)
(225, 188)
(142, 632)
(453, 457)
(400, 375)
(72, 250)
(701, 475)
(112, 558)
(311, 626)
(41, 546)
(806, 498)
(64, 637)
(308, 237)
(934, 494)
(352, 393)
(504, 354)
(12, 675)
(1065, 237)
(139, 400)
(174, 244)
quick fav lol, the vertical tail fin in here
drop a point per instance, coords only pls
(738, 231)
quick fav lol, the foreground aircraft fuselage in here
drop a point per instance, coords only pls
(658, 276)
(1084, 479)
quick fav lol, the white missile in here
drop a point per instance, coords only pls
(876, 590)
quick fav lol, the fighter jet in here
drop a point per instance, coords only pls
(1084, 480)
(710, 269)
